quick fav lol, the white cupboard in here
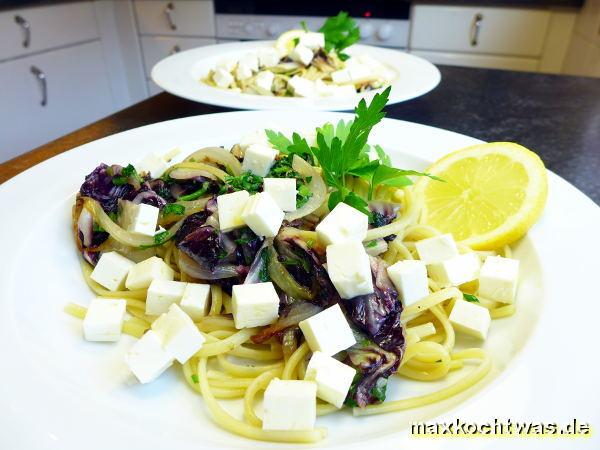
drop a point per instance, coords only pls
(46, 101)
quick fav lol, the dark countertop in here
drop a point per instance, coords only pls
(556, 116)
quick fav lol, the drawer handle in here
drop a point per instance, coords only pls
(175, 49)
(26, 28)
(475, 27)
(168, 12)
(41, 77)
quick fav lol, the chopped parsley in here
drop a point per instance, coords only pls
(195, 195)
(470, 298)
(244, 182)
(127, 174)
(263, 273)
(173, 209)
(195, 379)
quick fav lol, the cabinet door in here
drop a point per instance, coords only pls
(156, 48)
(483, 61)
(178, 17)
(500, 31)
(77, 93)
(47, 26)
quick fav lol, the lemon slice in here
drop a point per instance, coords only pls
(285, 43)
(492, 195)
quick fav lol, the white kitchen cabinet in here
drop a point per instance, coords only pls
(75, 97)
(156, 48)
(471, 29)
(483, 61)
(31, 30)
(178, 17)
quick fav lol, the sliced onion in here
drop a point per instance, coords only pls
(120, 234)
(297, 312)
(215, 171)
(282, 278)
(218, 155)
(85, 227)
(316, 186)
(193, 269)
(187, 174)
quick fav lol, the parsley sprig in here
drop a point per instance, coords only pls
(340, 32)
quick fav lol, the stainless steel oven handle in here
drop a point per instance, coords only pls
(26, 28)
(169, 13)
(475, 27)
(42, 80)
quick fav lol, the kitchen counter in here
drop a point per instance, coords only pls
(556, 116)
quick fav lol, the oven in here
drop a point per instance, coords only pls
(382, 23)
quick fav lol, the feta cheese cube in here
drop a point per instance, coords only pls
(312, 40)
(263, 215)
(268, 57)
(436, 249)
(302, 87)
(456, 271)
(230, 207)
(333, 378)
(178, 334)
(410, 278)
(328, 331)
(283, 191)
(243, 72)
(290, 405)
(259, 159)
(162, 294)
(111, 271)
(264, 80)
(359, 72)
(498, 279)
(343, 223)
(251, 61)
(254, 305)
(141, 275)
(147, 359)
(104, 319)
(195, 300)
(153, 163)
(222, 78)
(256, 137)
(470, 318)
(139, 218)
(302, 54)
(341, 76)
(227, 64)
(349, 268)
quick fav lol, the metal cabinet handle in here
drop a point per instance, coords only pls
(26, 28)
(475, 26)
(175, 49)
(41, 77)
(168, 12)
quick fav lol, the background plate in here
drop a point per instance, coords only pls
(180, 75)
(58, 391)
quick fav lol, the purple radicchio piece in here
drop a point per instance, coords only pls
(378, 355)
(147, 196)
(99, 186)
(383, 213)
(373, 367)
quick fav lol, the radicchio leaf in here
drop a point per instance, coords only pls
(99, 186)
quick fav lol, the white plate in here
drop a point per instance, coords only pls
(180, 74)
(59, 392)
